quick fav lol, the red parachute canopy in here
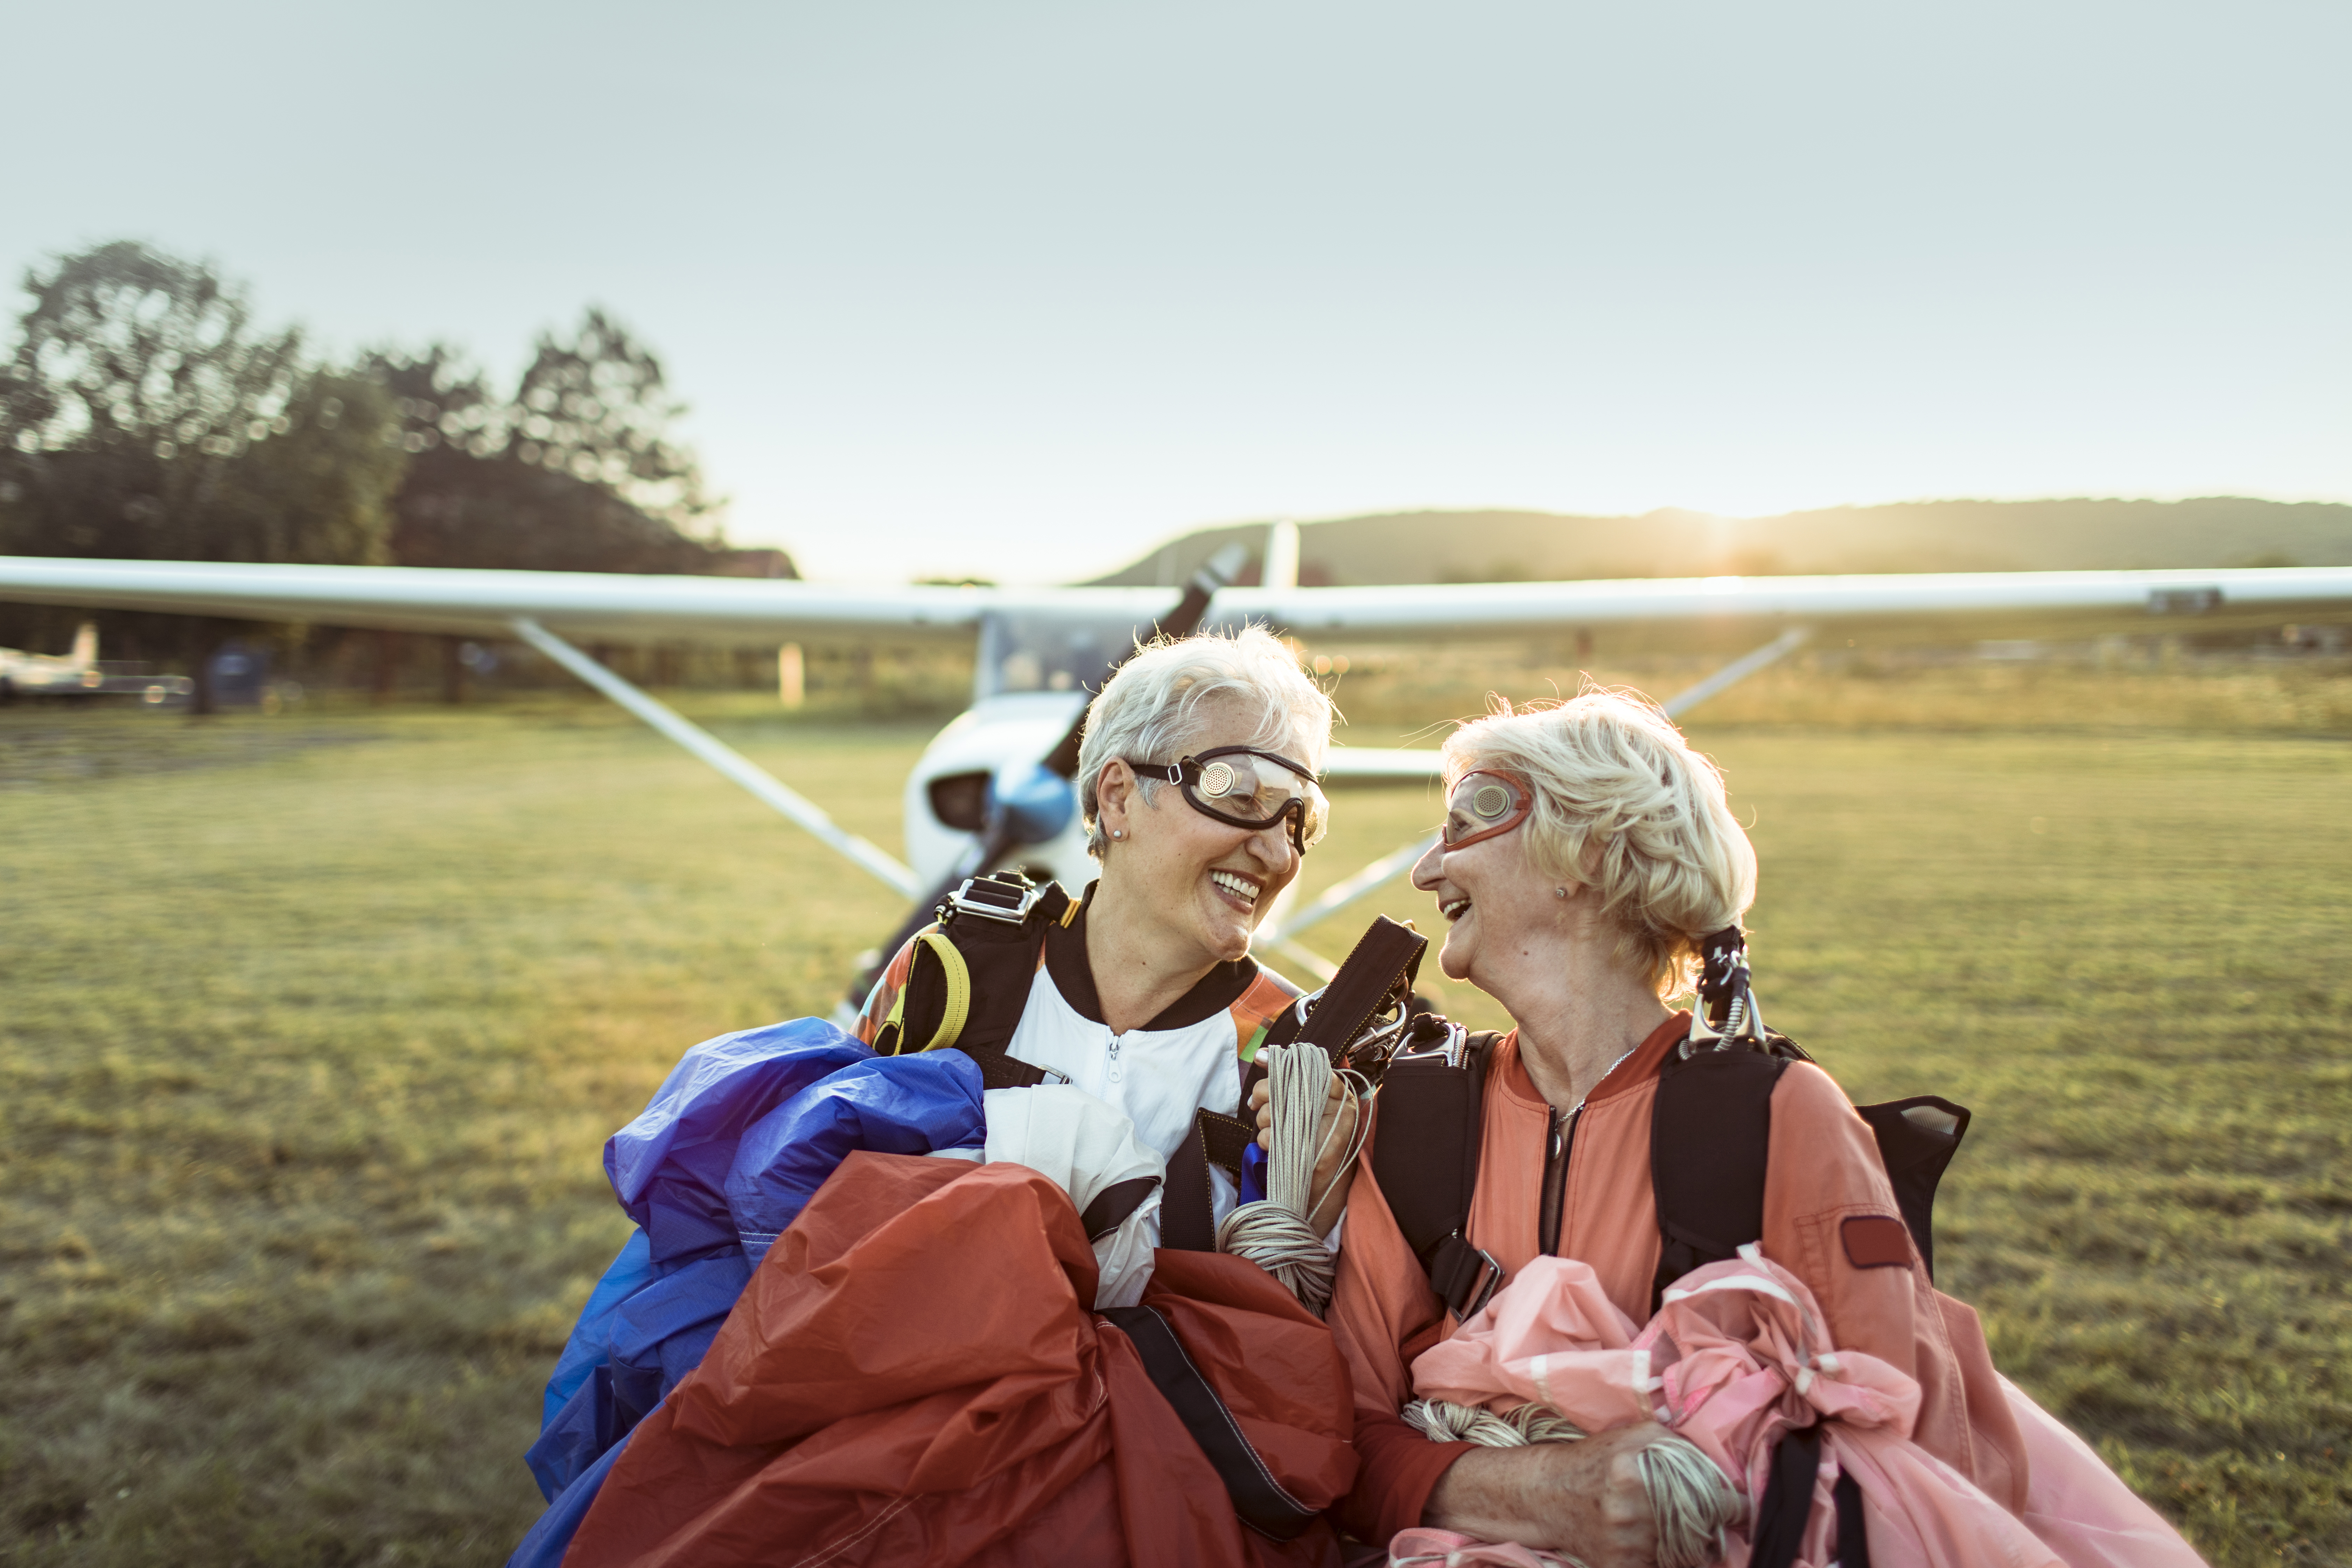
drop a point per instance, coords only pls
(916, 1374)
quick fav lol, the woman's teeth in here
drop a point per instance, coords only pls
(1241, 888)
(1454, 910)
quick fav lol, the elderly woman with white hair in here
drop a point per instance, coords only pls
(1587, 855)
(1197, 785)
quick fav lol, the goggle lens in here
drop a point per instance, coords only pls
(1484, 805)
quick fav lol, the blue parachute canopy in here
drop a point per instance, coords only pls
(590, 1343)
(670, 1166)
(890, 1105)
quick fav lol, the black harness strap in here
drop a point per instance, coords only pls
(1788, 1506)
(1379, 968)
(1710, 1129)
(998, 948)
(1787, 1501)
(1428, 1119)
(1261, 1501)
(1114, 1203)
(1916, 1139)
(998, 1070)
(1853, 1539)
(1710, 1139)
(1186, 1214)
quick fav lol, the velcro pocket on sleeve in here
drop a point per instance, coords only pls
(1875, 1241)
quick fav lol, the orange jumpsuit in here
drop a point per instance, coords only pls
(1823, 1168)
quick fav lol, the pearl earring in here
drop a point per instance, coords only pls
(1117, 833)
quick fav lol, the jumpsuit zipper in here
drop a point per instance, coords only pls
(1557, 1147)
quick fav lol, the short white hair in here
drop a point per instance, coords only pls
(1623, 806)
(1151, 709)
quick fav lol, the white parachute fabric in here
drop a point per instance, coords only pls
(1071, 1138)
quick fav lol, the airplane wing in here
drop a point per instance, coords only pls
(586, 605)
(544, 608)
(1486, 609)
(1378, 764)
(595, 606)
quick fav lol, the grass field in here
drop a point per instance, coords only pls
(312, 1028)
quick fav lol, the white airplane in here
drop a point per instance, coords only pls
(75, 674)
(990, 789)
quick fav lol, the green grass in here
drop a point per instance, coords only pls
(312, 1028)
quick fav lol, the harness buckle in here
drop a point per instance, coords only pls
(1465, 1276)
(991, 900)
(1490, 1276)
(1446, 1047)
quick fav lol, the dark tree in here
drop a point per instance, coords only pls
(576, 473)
(595, 406)
(142, 415)
(321, 487)
(135, 383)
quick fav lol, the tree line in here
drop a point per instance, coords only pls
(145, 413)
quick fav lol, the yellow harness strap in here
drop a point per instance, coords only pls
(959, 1003)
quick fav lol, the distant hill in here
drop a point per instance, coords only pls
(1909, 536)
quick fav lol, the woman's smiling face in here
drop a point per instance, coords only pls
(1208, 882)
(1497, 902)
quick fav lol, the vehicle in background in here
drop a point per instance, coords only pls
(77, 673)
(74, 674)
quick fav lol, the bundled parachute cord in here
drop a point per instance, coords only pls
(1443, 1421)
(1325, 1214)
(1690, 1504)
(1275, 1235)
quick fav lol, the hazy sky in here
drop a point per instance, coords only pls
(1020, 288)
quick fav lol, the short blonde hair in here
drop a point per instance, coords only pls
(1151, 708)
(1623, 806)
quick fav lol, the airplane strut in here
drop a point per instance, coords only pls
(770, 789)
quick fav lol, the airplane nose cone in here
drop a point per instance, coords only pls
(1036, 801)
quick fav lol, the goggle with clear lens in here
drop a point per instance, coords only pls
(1245, 787)
(1484, 804)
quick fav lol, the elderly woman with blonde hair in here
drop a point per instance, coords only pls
(1587, 855)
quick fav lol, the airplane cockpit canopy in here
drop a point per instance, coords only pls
(1039, 651)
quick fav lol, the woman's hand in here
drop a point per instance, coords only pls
(1584, 1499)
(1335, 1133)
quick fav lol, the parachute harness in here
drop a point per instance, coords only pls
(1278, 1235)
(1726, 1010)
